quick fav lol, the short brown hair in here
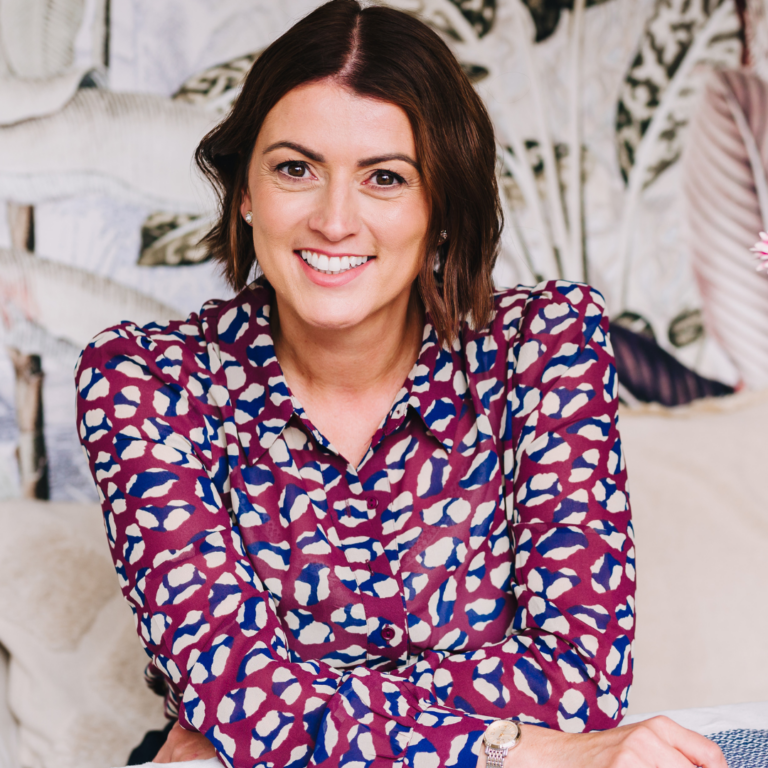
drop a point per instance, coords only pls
(389, 55)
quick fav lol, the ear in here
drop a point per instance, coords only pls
(245, 203)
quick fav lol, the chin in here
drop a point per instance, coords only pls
(335, 321)
(338, 314)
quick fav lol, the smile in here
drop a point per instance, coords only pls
(332, 265)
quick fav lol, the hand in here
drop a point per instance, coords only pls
(183, 745)
(655, 743)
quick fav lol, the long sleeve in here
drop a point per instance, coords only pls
(201, 611)
(574, 567)
(567, 659)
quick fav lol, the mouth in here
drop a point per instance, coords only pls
(332, 265)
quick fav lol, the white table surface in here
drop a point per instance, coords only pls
(706, 720)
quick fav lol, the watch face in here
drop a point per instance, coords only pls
(502, 734)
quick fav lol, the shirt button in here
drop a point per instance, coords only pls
(388, 633)
(373, 503)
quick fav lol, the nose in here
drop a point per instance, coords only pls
(335, 215)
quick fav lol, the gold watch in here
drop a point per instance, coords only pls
(500, 737)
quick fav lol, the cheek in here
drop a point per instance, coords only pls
(405, 231)
(276, 214)
(405, 216)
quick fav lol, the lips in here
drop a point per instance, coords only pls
(332, 265)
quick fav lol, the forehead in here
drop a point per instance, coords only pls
(327, 117)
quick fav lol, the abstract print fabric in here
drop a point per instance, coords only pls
(477, 564)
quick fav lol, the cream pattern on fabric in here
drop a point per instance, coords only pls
(477, 564)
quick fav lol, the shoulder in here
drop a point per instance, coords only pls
(141, 353)
(535, 323)
(550, 308)
(171, 363)
(156, 345)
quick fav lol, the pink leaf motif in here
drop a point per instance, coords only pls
(760, 250)
(724, 182)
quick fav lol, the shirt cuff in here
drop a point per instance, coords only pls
(444, 737)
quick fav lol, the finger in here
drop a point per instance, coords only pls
(698, 749)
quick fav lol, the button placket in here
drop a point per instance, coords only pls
(386, 620)
(381, 595)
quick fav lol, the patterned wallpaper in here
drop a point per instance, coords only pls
(595, 103)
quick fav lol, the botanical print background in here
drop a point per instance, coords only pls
(626, 156)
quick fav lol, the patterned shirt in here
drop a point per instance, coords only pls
(477, 564)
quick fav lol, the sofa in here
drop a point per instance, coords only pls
(72, 693)
(71, 687)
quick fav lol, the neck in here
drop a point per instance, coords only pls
(351, 361)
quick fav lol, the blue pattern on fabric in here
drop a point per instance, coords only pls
(477, 563)
(743, 748)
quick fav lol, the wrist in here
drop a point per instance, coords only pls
(499, 739)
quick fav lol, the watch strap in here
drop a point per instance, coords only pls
(494, 757)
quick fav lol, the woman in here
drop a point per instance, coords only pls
(367, 512)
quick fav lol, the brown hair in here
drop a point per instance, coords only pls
(383, 54)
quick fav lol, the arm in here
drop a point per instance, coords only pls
(568, 498)
(650, 744)
(560, 419)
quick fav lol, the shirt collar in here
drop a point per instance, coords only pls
(435, 387)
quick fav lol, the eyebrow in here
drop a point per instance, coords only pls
(386, 159)
(364, 163)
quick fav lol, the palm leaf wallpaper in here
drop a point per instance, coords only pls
(631, 153)
(725, 187)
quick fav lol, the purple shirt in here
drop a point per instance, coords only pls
(477, 564)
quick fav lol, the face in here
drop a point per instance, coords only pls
(339, 212)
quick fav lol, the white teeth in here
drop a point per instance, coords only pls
(331, 265)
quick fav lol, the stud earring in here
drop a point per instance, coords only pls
(443, 236)
(249, 217)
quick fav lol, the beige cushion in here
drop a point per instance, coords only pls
(699, 489)
(76, 684)
(8, 725)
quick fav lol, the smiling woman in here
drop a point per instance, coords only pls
(368, 513)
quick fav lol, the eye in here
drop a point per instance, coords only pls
(386, 179)
(296, 169)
